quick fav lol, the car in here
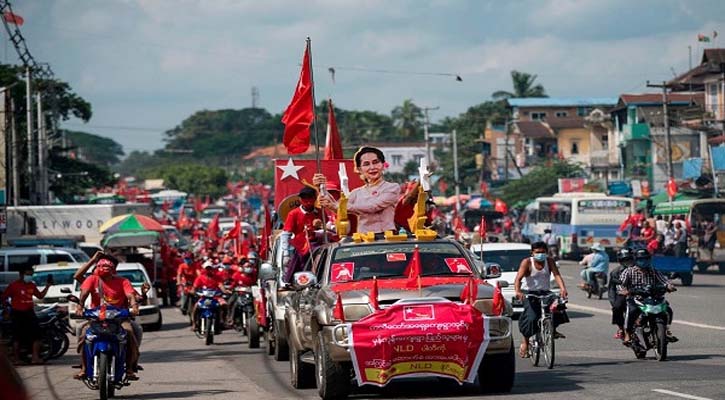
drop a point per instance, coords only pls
(175, 238)
(62, 273)
(149, 313)
(208, 214)
(317, 333)
(508, 256)
(15, 258)
(90, 248)
(276, 290)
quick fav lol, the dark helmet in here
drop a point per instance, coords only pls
(642, 258)
(625, 255)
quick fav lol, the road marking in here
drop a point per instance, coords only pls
(608, 312)
(677, 394)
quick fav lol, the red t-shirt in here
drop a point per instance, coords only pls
(21, 294)
(653, 246)
(188, 273)
(115, 290)
(207, 281)
(647, 234)
(240, 279)
(296, 221)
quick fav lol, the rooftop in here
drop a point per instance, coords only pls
(562, 101)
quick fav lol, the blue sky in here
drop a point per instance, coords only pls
(145, 65)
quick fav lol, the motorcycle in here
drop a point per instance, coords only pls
(105, 349)
(208, 321)
(244, 319)
(598, 286)
(650, 328)
(54, 325)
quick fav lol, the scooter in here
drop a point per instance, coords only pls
(54, 325)
(207, 316)
(105, 348)
(650, 330)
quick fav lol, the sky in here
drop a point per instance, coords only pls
(146, 65)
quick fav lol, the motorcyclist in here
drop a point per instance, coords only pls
(185, 276)
(599, 263)
(208, 280)
(625, 257)
(636, 278)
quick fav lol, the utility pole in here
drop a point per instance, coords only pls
(455, 172)
(42, 153)
(14, 153)
(29, 125)
(668, 139)
(427, 135)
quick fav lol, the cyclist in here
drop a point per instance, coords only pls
(537, 271)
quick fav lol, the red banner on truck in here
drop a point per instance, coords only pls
(441, 339)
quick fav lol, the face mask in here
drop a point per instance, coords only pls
(540, 256)
(642, 263)
(104, 273)
(247, 270)
(27, 278)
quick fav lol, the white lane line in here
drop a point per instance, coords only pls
(677, 394)
(608, 312)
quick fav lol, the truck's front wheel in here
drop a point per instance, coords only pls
(333, 378)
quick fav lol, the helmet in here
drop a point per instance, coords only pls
(252, 257)
(625, 256)
(642, 258)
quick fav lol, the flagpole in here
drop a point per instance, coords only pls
(317, 136)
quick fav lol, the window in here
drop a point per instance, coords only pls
(561, 114)
(417, 158)
(20, 262)
(575, 147)
(538, 116)
(582, 111)
(605, 142)
(54, 258)
(397, 158)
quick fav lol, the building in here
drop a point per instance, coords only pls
(397, 155)
(640, 135)
(576, 129)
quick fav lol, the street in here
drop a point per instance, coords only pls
(590, 364)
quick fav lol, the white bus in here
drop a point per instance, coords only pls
(579, 220)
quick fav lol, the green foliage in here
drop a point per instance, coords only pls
(263, 175)
(469, 127)
(523, 85)
(408, 120)
(141, 163)
(96, 149)
(74, 177)
(192, 178)
(542, 180)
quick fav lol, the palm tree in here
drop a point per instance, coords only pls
(408, 119)
(523, 87)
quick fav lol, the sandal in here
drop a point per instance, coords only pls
(79, 376)
(130, 376)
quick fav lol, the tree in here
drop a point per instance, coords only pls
(408, 120)
(72, 178)
(523, 85)
(192, 178)
(96, 149)
(542, 180)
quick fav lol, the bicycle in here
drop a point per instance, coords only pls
(544, 338)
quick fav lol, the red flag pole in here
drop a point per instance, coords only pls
(317, 136)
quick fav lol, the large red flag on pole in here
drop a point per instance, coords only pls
(333, 145)
(299, 114)
(13, 18)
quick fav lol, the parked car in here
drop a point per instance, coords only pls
(276, 290)
(17, 258)
(508, 256)
(149, 312)
(314, 336)
(62, 278)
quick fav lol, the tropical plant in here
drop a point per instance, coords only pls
(408, 120)
(523, 84)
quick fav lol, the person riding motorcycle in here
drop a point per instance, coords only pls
(636, 278)
(599, 264)
(625, 257)
(208, 280)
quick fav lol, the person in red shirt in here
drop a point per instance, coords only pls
(208, 280)
(647, 233)
(24, 322)
(301, 223)
(117, 292)
(186, 273)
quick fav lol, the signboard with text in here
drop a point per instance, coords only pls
(442, 339)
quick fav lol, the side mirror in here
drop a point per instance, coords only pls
(493, 270)
(267, 272)
(73, 299)
(303, 280)
(65, 290)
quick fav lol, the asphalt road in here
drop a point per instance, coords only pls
(590, 363)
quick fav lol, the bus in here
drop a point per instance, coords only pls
(578, 219)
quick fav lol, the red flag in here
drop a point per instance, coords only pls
(13, 18)
(339, 311)
(498, 302)
(482, 228)
(234, 232)
(671, 187)
(469, 294)
(290, 175)
(266, 232)
(183, 220)
(333, 145)
(207, 201)
(198, 207)
(299, 114)
(500, 206)
(414, 269)
(374, 295)
(262, 307)
(212, 231)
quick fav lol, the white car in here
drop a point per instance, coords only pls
(508, 256)
(62, 278)
(149, 312)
